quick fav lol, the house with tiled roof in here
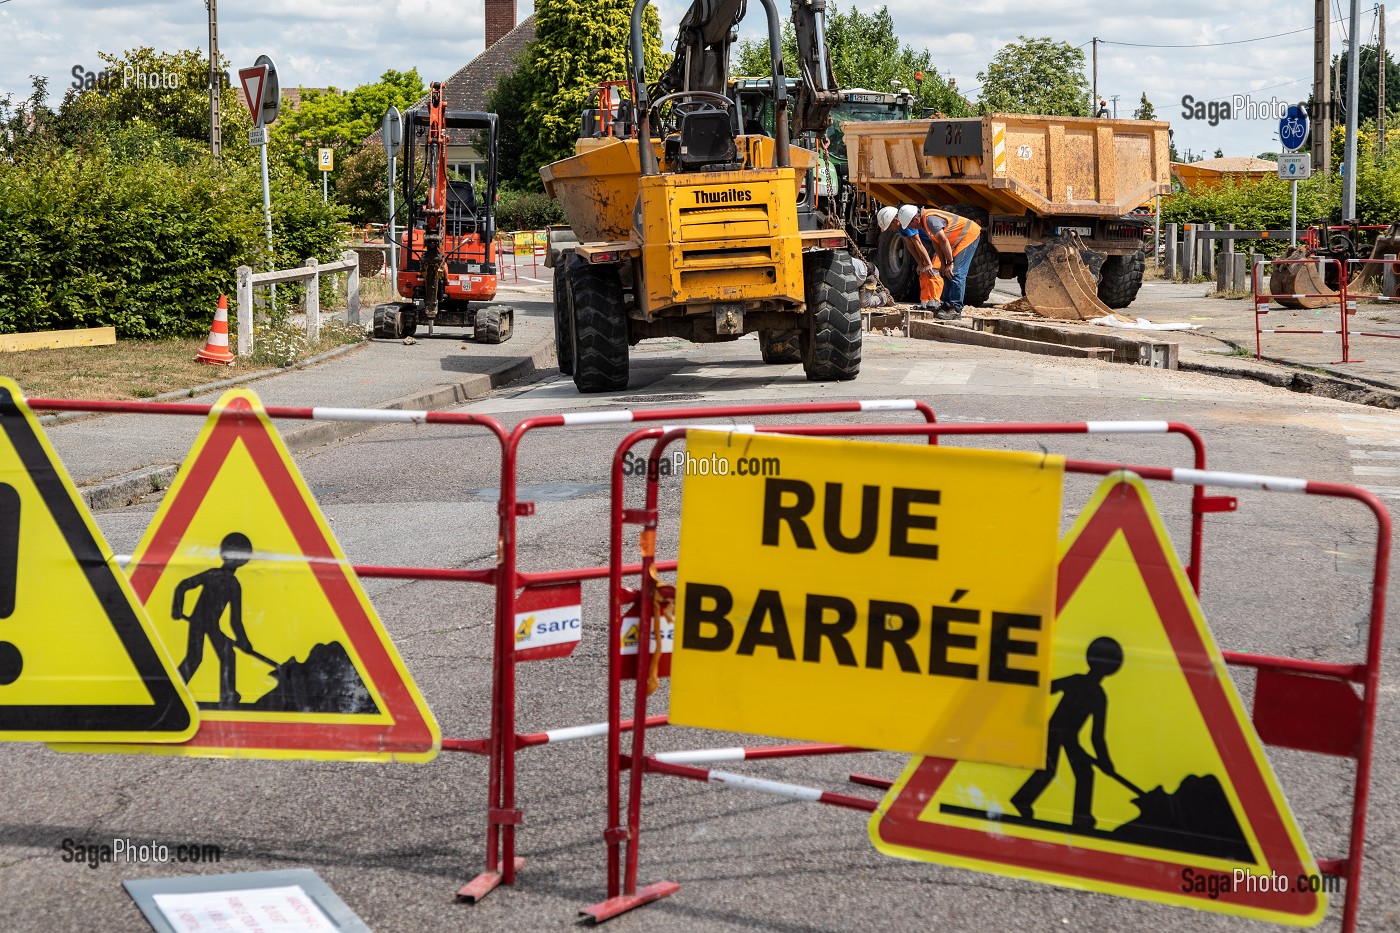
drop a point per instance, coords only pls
(471, 86)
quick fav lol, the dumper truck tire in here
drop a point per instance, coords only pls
(982, 274)
(898, 271)
(599, 330)
(563, 326)
(831, 333)
(780, 346)
(1120, 279)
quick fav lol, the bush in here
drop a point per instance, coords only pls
(145, 246)
(123, 222)
(527, 210)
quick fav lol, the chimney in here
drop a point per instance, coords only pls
(500, 19)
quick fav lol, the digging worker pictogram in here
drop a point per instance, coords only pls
(1083, 699)
(219, 591)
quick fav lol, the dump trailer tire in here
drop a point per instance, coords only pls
(896, 264)
(1120, 279)
(831, 332)
(563, 325)
(599, 328)
(780, 346)
(982, 274)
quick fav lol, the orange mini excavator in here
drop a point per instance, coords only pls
(448, 253)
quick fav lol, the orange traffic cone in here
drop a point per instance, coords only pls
(216, 349)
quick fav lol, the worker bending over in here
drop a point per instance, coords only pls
(943, 244)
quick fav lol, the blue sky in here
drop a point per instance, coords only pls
(344, 43)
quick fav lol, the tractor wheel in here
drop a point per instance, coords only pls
(780, 346)
(563, 325)
(898, 271)
(599, 328)
(1120, 278)
(982, 274)
(494, 324)
(831, 334)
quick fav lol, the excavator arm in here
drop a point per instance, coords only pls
(701, 57)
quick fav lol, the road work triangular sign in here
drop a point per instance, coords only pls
(79, 660)
(1155, 784)
(273, 634)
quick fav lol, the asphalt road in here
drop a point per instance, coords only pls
(1285, 574)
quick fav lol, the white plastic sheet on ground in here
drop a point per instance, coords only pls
(1141, 323)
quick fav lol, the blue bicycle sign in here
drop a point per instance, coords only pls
(1293, 128)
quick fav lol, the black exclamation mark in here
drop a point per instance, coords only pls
(11, 661)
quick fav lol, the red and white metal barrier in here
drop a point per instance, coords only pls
(503, 816)
(1263, 304)
(1351, 297)
(623, 839)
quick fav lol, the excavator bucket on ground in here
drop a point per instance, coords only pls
(1062, 280)
(1289, 280)
(1370, 278)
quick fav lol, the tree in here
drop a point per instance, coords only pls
(865, 53)
(1219, 153)
(508, 101)
(576, 46)
(1368, 86)
(340, 120)
(167, 92)
(1145, 110)
(1036, 76)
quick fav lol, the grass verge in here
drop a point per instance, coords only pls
(137, 369)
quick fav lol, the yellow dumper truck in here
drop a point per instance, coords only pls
(688, 224)
(1042, 189)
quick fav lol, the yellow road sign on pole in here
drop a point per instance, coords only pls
(325, 160)
(891, 596)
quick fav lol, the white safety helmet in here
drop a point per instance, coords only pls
(885, 217)
(907, 213)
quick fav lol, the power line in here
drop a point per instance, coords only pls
(1207, 45)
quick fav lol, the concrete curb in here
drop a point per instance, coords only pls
(1324, 385)
(123, 490)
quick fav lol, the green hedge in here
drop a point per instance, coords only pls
(145, 241)
(527, 210)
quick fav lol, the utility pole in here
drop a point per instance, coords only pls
(1353, 89)
(1114, 98)
(216, 80)
(1322, 87)
(1380, 82)
(1094, 104)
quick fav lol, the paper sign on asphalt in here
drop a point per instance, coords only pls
(891, 596)
(1154, 785)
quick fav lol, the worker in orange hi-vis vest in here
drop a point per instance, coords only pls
(943, 244)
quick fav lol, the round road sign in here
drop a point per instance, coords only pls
(1293, 128)
(272, 91)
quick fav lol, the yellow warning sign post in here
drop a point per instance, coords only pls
(1154, 784)
(252, 594)
(79, 660)
(889, 596)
